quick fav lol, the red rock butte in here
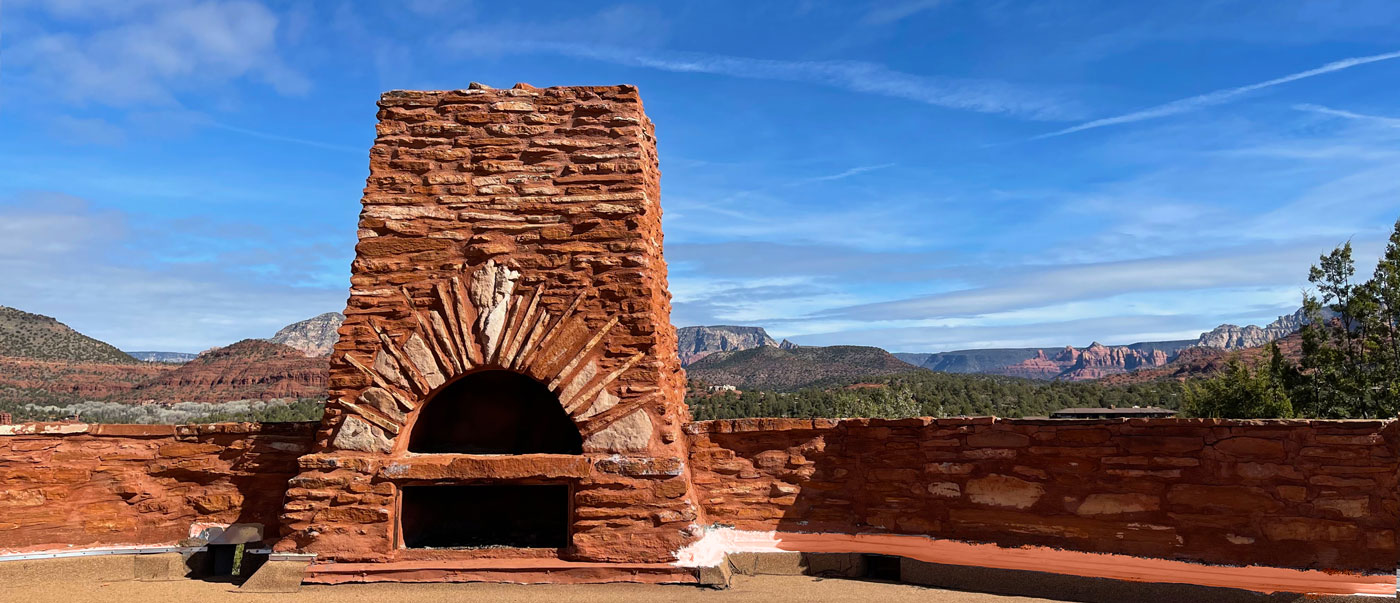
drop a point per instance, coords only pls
(506, 403)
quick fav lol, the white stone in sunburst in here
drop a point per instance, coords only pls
(423, 360)
(627, 434)
(491, 289)
(576, 385)
(356, 434)
(381, 400)
(407, 370)
(388, 368)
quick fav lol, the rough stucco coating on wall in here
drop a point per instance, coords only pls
(1299, 494)
(106, 485)
(506, 229)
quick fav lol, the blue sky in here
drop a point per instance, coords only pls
(919, 175)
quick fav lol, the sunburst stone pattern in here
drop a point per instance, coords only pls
(488, 322)
(505, 232)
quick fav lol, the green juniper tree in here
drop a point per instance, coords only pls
(1239, 392)
(1350, 366)
(1384, 290)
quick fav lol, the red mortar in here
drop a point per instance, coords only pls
(1304, 494)
(519, 231)
(102, 485)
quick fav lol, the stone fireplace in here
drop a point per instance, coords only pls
(506, 382)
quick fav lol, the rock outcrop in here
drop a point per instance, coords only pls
(1203, 361)
(251, 369)
(1040, 366)
(1098, 360)
(1233, 337)
(699, 342)
(1082, 364)
(59, 382)
(314, 336)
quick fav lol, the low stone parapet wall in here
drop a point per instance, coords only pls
(1297, 494)
(1301, 494)
(67, 486)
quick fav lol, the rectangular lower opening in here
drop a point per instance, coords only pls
(882, 567)
(485, 516)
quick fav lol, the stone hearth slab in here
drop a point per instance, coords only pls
(486, 466)
(518, 571)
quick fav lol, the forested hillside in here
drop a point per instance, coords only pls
(928, 393)
(39, 337)
(790, 369)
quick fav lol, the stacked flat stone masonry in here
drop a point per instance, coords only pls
(515, 230)
(518, 233)
(1304, 494)
(73, 485)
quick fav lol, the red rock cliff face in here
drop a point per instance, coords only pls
(1039, 367)
(104, 485)
(1098, 361)
(1196, 362)
(251, 369)
(1081, 364)
(77, 380)
(1305, 494)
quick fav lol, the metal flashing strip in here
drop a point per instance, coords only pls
(98, 552)
(274, 556)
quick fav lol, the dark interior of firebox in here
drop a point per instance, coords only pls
(495, 412)
(481, 516)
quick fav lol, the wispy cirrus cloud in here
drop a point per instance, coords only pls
(1033, 287)
(965, 94)
(1217, 97)
(1393, 122)
(842, 175)
(890, 13)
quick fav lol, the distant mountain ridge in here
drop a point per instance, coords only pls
(1098, 361)
(1232, 337)
(42, 361)
(170, 357)
(315, 336)
(252, 369)
(1201, 361)
(39, 337)
(1067, 363)
(771, 367)
(694, 343)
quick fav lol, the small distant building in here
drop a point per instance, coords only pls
(1136, 412)
(723, 388)
(5, 418)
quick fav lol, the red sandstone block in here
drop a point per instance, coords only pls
(998, 439)
(1237, 498)
(1072, 435)
(185, 449)
(133, 431)
(1298, 528)
(1251, 447)
(1162, 444)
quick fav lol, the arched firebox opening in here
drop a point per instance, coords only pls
(494, 412)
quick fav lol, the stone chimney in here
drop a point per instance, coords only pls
(506, 376)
